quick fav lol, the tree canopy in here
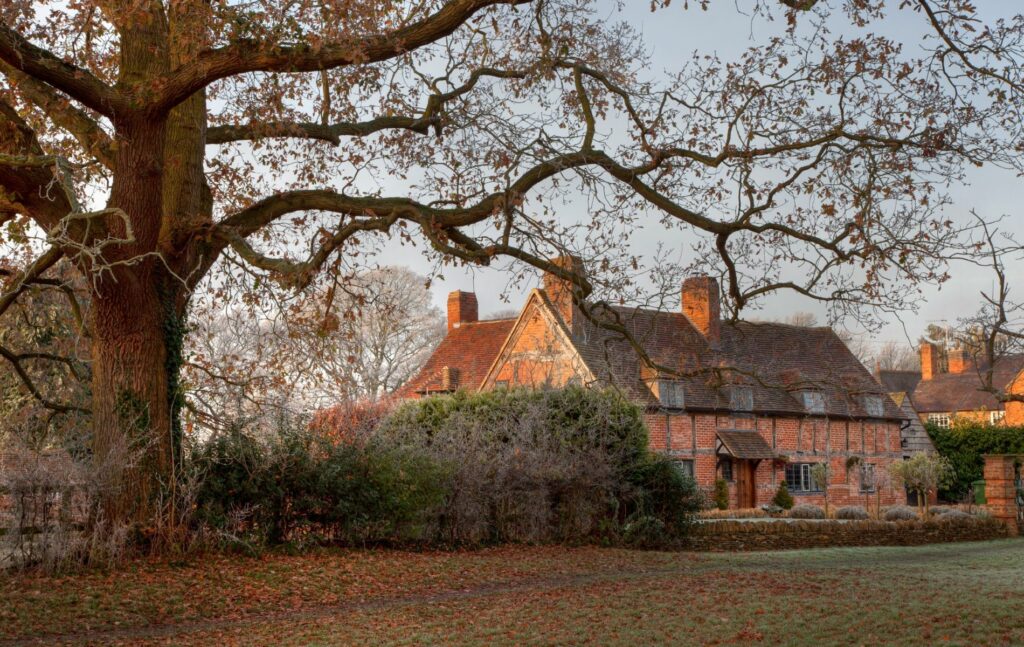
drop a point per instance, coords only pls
(248, 150)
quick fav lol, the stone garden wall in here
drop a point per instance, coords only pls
(772, 535)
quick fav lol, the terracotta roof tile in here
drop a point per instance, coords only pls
(469, 350)
(949, 392)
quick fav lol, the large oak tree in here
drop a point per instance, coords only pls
(145, 142)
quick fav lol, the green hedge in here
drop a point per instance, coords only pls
(293, 485)
(964, 444)
(577, 416)
(568, 465)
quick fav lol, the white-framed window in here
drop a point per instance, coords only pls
(940, 419)
(798, 478)
(996, 417)
(873, 406)
(867, 477)
(814, 401)
(685, 466)
(671, 393)
(741, 398)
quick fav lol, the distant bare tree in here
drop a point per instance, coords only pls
(358, 342)
(996, 330)
(374, 336)
(803, 319)
(894, 356)
(504, 313)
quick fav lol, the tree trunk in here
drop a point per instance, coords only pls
(142, 288)
(131, 400)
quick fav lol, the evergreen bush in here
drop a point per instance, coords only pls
(294, 484)
(721, 494)
(964, 445)
(782, 497)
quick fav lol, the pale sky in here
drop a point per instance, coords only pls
(674, 34)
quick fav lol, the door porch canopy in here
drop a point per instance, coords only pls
(743, 445)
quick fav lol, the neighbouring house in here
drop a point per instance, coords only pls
(899, 385)
(940, 397)
(751, 403)
(914, 437)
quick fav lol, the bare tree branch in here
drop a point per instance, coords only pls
(244, 57)
(76, 82)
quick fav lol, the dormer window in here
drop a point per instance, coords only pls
(670, 393)
(741, 398)
(873, 406)
(814, 401)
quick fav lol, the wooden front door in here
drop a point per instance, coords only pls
(745, 493)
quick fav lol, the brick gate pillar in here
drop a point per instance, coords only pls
(1001, 474)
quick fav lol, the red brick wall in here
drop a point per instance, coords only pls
(541, 356)
(1000, 475)
(803, 440)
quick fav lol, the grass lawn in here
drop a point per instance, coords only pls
(952, 594)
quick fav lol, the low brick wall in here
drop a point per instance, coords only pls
(774, 535)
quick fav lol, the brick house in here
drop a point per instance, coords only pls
(751, 403)
(941, 396)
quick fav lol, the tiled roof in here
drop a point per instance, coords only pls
(775, 361)
(899, 381)
(949, 392)
(745, 444)
(469, 350)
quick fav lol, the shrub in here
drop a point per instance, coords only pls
(937, 510)
(923, 473)
(954, 516)
(807, 511)
(900, 513)
(663, 492)
(746, 513)
(542, 465)
(721, 494)
(964, 445)
(645, 532)
(852, 512)
(783, 498)
(295, 484)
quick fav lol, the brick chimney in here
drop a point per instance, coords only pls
(449, 378)
(702, 307)
(929, 360)
(462, 308)
(960, 361)
(560, 291)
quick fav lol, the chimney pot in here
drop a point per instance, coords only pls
(960, 360)
(449, 378)
(702, 307)
(929, 360)
(462, 308)
(560, 291)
